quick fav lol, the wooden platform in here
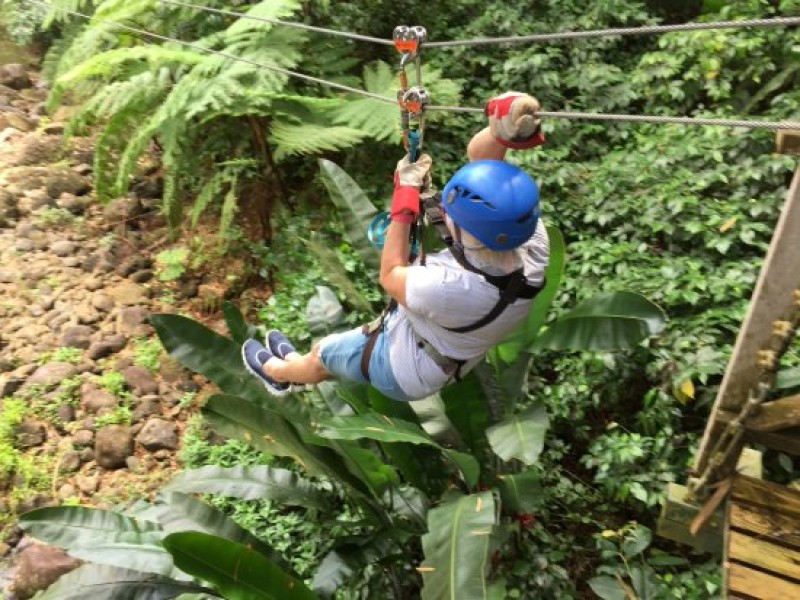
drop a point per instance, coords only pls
(762, 549)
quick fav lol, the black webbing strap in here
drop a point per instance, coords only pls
(511, 286)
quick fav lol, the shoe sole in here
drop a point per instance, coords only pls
(270, 389)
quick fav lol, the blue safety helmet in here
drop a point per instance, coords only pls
(497, 202)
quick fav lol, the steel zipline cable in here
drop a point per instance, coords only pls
(642, 30)
(517, 39)
(164, 38)
(231, 13)
(748, 124)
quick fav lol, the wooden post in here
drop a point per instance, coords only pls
(772, 300)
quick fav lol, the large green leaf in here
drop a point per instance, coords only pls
(521, 436)
(418, 466)
(73, 526)
(384, 429)
(788, 379)
(457, 548)
(610, 321)
(268, 431)
(204, 351)
(520, 493)
(182, 512)
(524, 336)
(238, 572)
(467, 408)
(260, 482)
(356, 210)
(101, 582)
(239, 329)
(139, 557)
(353, 554)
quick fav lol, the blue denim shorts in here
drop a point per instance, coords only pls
(341, 355)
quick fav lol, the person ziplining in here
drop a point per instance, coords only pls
(451, 307)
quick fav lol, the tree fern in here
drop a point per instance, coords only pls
(312, 138)
(380, 120)
(59, 11)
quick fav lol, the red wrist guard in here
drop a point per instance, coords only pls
(536, 140)
(405, 200)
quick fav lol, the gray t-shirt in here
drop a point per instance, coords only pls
(444, 294)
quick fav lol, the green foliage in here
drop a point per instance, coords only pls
(114, 383)
(147, 353)
(14, 411)
(21, 20)
(171, 263)
(121, 415)
(65, 354)
(628, 568)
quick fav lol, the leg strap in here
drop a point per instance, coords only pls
(372, 331)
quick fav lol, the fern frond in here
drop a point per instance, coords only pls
(117, 63)
(267, 9)
(377, 119)
(171, 206)
(229, 208)
(312, 138)
(209, 192)
(59, 11)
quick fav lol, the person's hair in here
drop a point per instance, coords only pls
(494, 262)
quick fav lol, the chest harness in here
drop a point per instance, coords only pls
(510, 287)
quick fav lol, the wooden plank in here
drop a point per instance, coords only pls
(771, 496)
(765, 524)
(675, 519)
(760, 553)
(771, 300)
(771, 416)
(787, 441)
(756, 584)
(787, 142)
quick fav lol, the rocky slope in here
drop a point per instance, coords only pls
(92, 412)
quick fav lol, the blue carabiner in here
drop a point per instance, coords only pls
(376, 232)
(413, 145)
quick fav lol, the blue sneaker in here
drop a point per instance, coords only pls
(280, 346)
(255, 355)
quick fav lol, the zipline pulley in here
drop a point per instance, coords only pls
(411, 99)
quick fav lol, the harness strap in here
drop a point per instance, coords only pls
(450, 366)
(372, 330)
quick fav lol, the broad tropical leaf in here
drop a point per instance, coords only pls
(139, 557)
(788, 379)
(238, 572)
(353, 554)
(239, 329)
(268, 431)
(383, 429)
(183, 512)
(522, 338)
(101, 582)
(520, 492)
(467, 409)
(521, 436)
(611, 321)
(204, 351)
(260, 482)
(356, 210)
(457, 548)
(73, 526)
